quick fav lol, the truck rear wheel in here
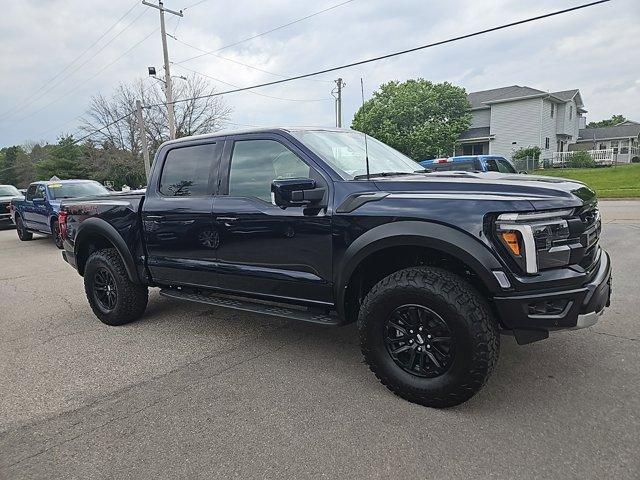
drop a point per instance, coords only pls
(113, 297)
(428, 336)
(23, 233)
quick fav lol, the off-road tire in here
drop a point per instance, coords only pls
(55, 233)
(131, 298)
(466, 313)
(23, 234)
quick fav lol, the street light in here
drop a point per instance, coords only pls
(152, 74)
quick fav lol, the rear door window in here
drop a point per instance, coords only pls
(187, 171)
(30, 192)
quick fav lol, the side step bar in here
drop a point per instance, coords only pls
(302, 314)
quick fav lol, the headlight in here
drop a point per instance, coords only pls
(540, 240)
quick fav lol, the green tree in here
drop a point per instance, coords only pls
(417, 117)
(614, 120)
(12, 159)
(65, 160)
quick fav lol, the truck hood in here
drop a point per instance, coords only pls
(13, 197)
(542, 192)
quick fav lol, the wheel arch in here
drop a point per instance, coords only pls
(432, 237)
(94, 234)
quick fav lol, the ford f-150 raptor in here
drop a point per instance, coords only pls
(318, 226)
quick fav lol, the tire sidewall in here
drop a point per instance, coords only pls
(381, 309)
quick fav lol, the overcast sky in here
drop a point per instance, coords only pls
(594, 50)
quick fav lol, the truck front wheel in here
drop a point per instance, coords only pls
(113, 297)
(429, 336)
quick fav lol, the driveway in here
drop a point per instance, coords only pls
(193, 391)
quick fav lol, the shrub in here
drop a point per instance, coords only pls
(581, 159)
(529, 152)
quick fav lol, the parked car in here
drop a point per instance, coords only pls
(431, 266)
(470, 163)
(38, 211)
(7, 193)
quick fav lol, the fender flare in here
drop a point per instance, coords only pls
(436, 236)
(97, 227)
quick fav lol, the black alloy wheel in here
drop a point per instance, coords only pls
(104, 289)
(419, 341)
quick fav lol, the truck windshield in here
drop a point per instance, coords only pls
(72, 190)
(345, 153)
(9, 191)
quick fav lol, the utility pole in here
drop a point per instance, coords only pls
(338, 97)
(167, 72)
(143, 139)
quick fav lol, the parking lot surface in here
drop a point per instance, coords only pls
(193, 391)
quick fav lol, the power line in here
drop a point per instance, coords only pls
(256, 93)
(88, 79)
(236, 61)
(75, 69)
(402, 52)
(268, 31)
(422, 47)
(76, 58)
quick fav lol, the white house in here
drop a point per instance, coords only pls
(508, 118)
(622, 141)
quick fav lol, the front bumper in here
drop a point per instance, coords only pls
(580, 307)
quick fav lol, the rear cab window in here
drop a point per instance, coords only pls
(188, 171)
(498, 165)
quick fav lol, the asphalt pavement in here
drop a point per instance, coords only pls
(192, 391)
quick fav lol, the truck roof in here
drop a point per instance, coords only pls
(273, 129)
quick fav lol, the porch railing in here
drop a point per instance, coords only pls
(601, 157)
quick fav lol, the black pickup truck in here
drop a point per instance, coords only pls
(330, 227)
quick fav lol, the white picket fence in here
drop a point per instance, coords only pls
(601, 157)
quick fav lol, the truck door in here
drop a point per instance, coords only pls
(27, 205)
(34, 205)
(177, 214)
(264, 249)
(40, 217)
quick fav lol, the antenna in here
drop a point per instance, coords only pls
(364, 121)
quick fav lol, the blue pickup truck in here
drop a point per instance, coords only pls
(470, 163)
(38, 211)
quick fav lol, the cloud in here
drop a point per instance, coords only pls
(593, 50)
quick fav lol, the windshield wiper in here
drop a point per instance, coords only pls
(388, 174)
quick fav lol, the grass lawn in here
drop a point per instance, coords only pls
(622, 181)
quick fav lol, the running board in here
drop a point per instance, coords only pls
(302, 314)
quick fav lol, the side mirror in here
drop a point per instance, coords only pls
(296, 192)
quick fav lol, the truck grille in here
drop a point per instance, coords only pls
(590, 218)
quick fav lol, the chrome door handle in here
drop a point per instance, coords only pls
(154, 218)
(227, 219)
